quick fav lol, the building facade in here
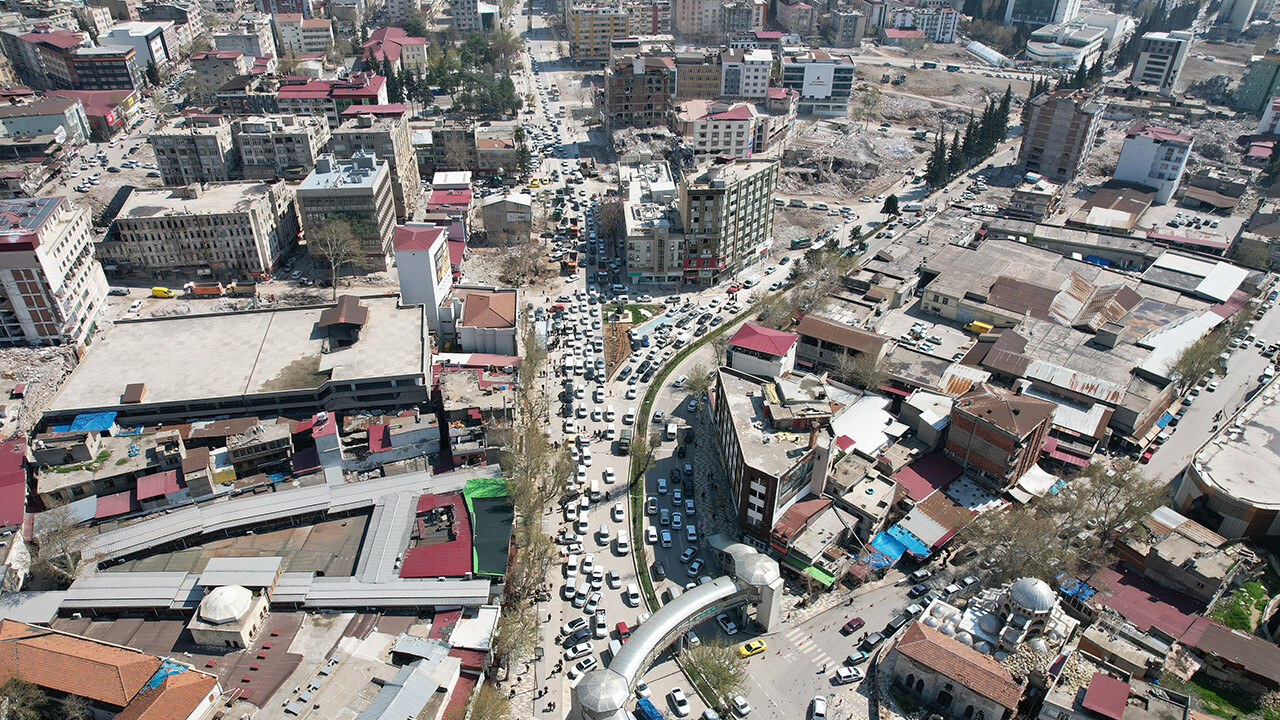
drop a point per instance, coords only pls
(1041, 12)
(303, 36)
(638, 92)
(331, 97)
(52, 288)
(745, 73)
(1260, 83)
(151, 40)
(251, 35)
(823, 81)
(654, 232)
(359, 190)
(1060, 134)
(715, 129)
(998, 434)
(213, 68)
(727, 208)
(279, 146)
(389, 138)
(42, 117)
(1161, 56)
(698, 75)
(196, 149)
(591, 27)
(1155, 157)
(223, 229)
(847, 28)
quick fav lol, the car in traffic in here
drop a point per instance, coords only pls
(752, 647)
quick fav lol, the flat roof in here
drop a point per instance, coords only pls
(746, 401)
(1243, 459)
(190, 358)
(251, 572)
(214, 198)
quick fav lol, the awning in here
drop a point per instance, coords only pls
(1164, 420)
(895, 391)
(1068, 458)
(820, 575)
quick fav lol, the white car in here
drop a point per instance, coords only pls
(632, 595)
(609, 476)
(740, 706)
(651, 535)
(818, 708)
(618, 511)
(642, 689)
(614, 579)
(679, 703)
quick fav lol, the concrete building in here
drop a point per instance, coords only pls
(698, 75)
(229, 617)
(331, 97)
(1060, 134)
(638, 92)
(998, 434)
(591, 27)
(302, 36)
(279, 146)
(847, 28)
(108, 111)
(187, 18)
(649, 17)
(1155, 157)
(824, 82)
(768, 435)
(508, 219)
(1101, 690)
(654, 230)
(716, 129)
(797, 17)
(477, 319)
(738, 16)
(936, 24)
(1066, 45)
(389, 138)
(470, 15)
(42, 117)
(1034, 198)
(827, 344)
(357, 190)
(727, 208)
(761, 351)
(1161, 56)
(1260, 83)
(52, 289)
(196, 149)
(1270, 118)
(46, 58)
(941, 671)
(251, 35)
(111, 67)
(225, 230)
(151, 40)
(1237, 14)
(213, 68)
(423, 266)
(745, 73)
(1041, 12)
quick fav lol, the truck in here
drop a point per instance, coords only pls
(242, 288)
(203, 289)
(646, 711)
(624, 441)
(885, 78)
(901, 78)
(162, 292)
(978, 327)
(569, 264)
(914, 207)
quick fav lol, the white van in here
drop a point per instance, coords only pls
(571, 567)
(673, 592)
(609, 413)
(604, 534)
(618, 289)
(584, 504)
(610, 433)
(595, 489)
(819, 206)
(624, 542)
(671, 431)
(615, 647)
(630, 417)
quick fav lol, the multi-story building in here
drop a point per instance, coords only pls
(698, 75)
(112, 67)
(96, 20)
(738, 16)
(716, 129)
(196, 149)
(847, 28)
(776, 123)
(745, 73)
(1041, 12)
(358, 191)
(279, 146)
(41, 58)
(827, 344)
(250, 35)
(446, 145)
(1060, 133)
(1270, 118)
(1260, 83)
(939, 24)
(767, 474)
(653, 233)
(649, 17)
(213, 68)
(221, 229)
(43, 117)
(638, 92)
(51, 287)
(153, 41)
(187, 19)
(1066, 45)
(496, 156)
(508, 219)
(1237, 14)
(1161, 56)
(302, 36)
(330, 97)
(389, 138)
(689, 18)
(824, 82)
(727, 208)
(1155, 157)
(275, 7)
(108, 111)
(591, 27)
(396, 47)
(998, 434)
(474, 15)
(798, 17)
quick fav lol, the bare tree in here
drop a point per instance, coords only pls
(489, 702)
(864, 370)
(335, 244)
(1105, 497)
(517, 633)
(610, 217)
(75, 707)
(723, 671)
(1196, 360)
(720, 347)
(61, 542)
(642, 452)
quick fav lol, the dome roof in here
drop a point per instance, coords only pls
(938, 611)
(1033, 595)
(931, 622)
(964, 637)
(603, 691)
(982, 646)
(757, 570)
(225, 604)
(990, 624)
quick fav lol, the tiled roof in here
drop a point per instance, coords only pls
(962, 664)
(13, 480)
(489, 309)
(71, 664)
(1155, 132)
(173, 698)
(763, 339)
(1018, 414)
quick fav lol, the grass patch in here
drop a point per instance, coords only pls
(1226, 701)
(1237, 610)
(636, 313)
(906, 703)
(93, 465)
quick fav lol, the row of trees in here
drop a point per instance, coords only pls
(980, 140)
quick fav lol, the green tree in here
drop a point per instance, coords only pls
(153, 73)
(1196, 360)
(723, 671)
(890, 206)
(864, 370)
(700, 381)
(488, 701)
(642, 452)
(956, 160)
(935, 170)
(416, 25)
(21, 700)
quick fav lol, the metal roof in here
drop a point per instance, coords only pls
(390, 526)
(406, 695)
(672, 620)
(115, 590)
(292, 587)
(330, 592)
(251, 572)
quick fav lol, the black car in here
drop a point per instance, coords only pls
(897, 623)
(680, 451)
(918, 590)
(582, 635)
(647, 376)
(872, 640)
(659, 571)
(784, 261)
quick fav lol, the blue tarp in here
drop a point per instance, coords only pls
(1097, 260)
(1076, 588)
(100, 422)
(913, 544)
(646, 711)
(886, 551)
(1164, 420)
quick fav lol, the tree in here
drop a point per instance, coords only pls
(1105, 497)
(720, 347)
(153, 73)
(723, 671)
(642, 452)
(936, 168)
(334, 243)
(956, 161)
(699, 382)
(21, 700)
(891, 205)
(610, 217)
(1196, 360)
(863, 370)
(416, 25)
(60, 545)
(488, 701)
(517, 634)
(75, 707)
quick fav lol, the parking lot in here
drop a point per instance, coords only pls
(927, 333)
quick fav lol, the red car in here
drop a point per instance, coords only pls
(734, 288)
(852, 626)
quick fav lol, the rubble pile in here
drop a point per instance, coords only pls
(1024, 661)
(43, 370)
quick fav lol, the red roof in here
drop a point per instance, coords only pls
(379, 438)
(13, 480)
(216, 55)
(962, 664)
(417, 237)
(65, 39)
(1106, 696)
(69, 663)
(927, 474)
(449, 198)
(1156, 132)
(763, 339)
(328, 427)
(117, 504)
(778, 93)
(97, 103)
(737, 112)
(1143, 604)
(900, 34)
(451, 558)
(457, 248)
(157, 484)
(797, 515)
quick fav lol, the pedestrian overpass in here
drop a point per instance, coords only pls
(753, 580)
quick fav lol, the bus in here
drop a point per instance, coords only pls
(801, 243)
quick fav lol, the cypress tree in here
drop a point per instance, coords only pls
(956, 160)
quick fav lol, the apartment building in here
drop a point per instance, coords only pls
(1161, 56)
(395, 46)
(649, 17)
(697, 75)
(280, 146)
(389, 138)
(474, 15)
(224, 230)
(44, 116)
(847, 28)
(1066, 45)
(715, 129)
(823, 80)
(745, 73)
(1041, 12)
(330, 97)
(196, 149)
(741, 16)
(187, 19)
(939, 25)
(727, 208)
(41, 58)
(52, 289)
(213, 68)
(357, 190)
(798, 17)
(1060, 134)
(251, 35)
(153, 41)
(1260, 83)
(591, 27)
(1154, 156)
(638, 92)
(654, 237)
(998, 434)
(302, 36)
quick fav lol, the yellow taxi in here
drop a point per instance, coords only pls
(754, 647)
(535, 183)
